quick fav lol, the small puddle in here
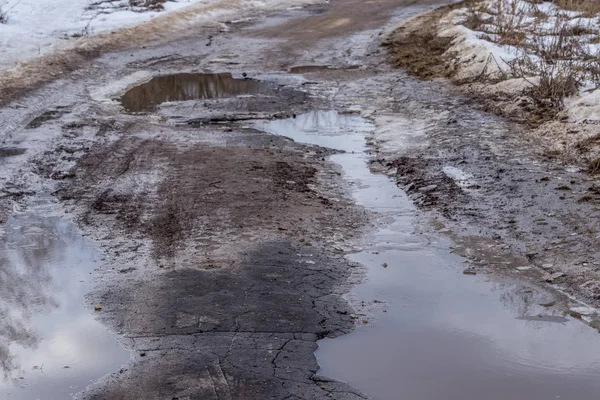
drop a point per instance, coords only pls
(439, 334)
(188, 86)
(51, 345)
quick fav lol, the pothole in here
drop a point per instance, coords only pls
(190, 86)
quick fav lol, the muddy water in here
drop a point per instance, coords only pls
(51, 345)
(437, 333)
(181, 87)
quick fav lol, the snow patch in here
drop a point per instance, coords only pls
(461, 178)
(473, 56)
(39, 27)
(396, 134)
(107, 94)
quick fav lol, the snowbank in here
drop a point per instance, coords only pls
(35, 27)
(38, 27)
(472, 56)
(475, 55)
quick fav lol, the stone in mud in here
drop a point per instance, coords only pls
(427, 189)
(470, 271)
(583, 310)
(11, 151)
(550, 278)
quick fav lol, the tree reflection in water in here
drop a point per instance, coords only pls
(31, 248)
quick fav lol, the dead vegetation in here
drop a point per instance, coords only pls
(418, 49)
(107, 6)
(552, 51)
(3, 15)
(147, 4)
(588, 8)
(547, 52)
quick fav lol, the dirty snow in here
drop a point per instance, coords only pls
(474, 56)
(37, 27)
(461, 178)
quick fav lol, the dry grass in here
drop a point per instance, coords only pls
(420, 52)
(134, 5)
(551, 48)
(147, 4)
(3, 16)
(594, 166)
(549, 54)
(588, 8)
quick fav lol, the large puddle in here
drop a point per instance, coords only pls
(440, 334)
(189, 86)
(51, 345)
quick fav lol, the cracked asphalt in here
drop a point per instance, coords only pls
(224, 246)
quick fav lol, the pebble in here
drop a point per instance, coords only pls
(583, 310)
(427, 189)
(551, 278)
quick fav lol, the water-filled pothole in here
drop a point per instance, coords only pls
(438, 334)
(51, 345)
(188, 86)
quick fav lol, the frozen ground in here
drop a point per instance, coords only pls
(532, 61)
(37, 27)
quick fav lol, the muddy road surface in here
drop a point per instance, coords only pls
(195, 219)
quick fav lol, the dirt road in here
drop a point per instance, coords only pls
(223, 245)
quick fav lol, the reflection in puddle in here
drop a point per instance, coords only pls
(181, 87)
(443, 335)
(51, 346)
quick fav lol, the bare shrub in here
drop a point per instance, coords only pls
(558, 61)
(147, 4)
(104, 6)
(3, 16)
(588, 8)
(551, 50)
(594, 166)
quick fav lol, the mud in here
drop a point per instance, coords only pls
(10, 151)
(418, 298)
(307, 69)
(512, 210)
(228, 246)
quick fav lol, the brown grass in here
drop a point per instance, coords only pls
(594, 166)
(147, 4)
(420, 52)
(588, 8)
